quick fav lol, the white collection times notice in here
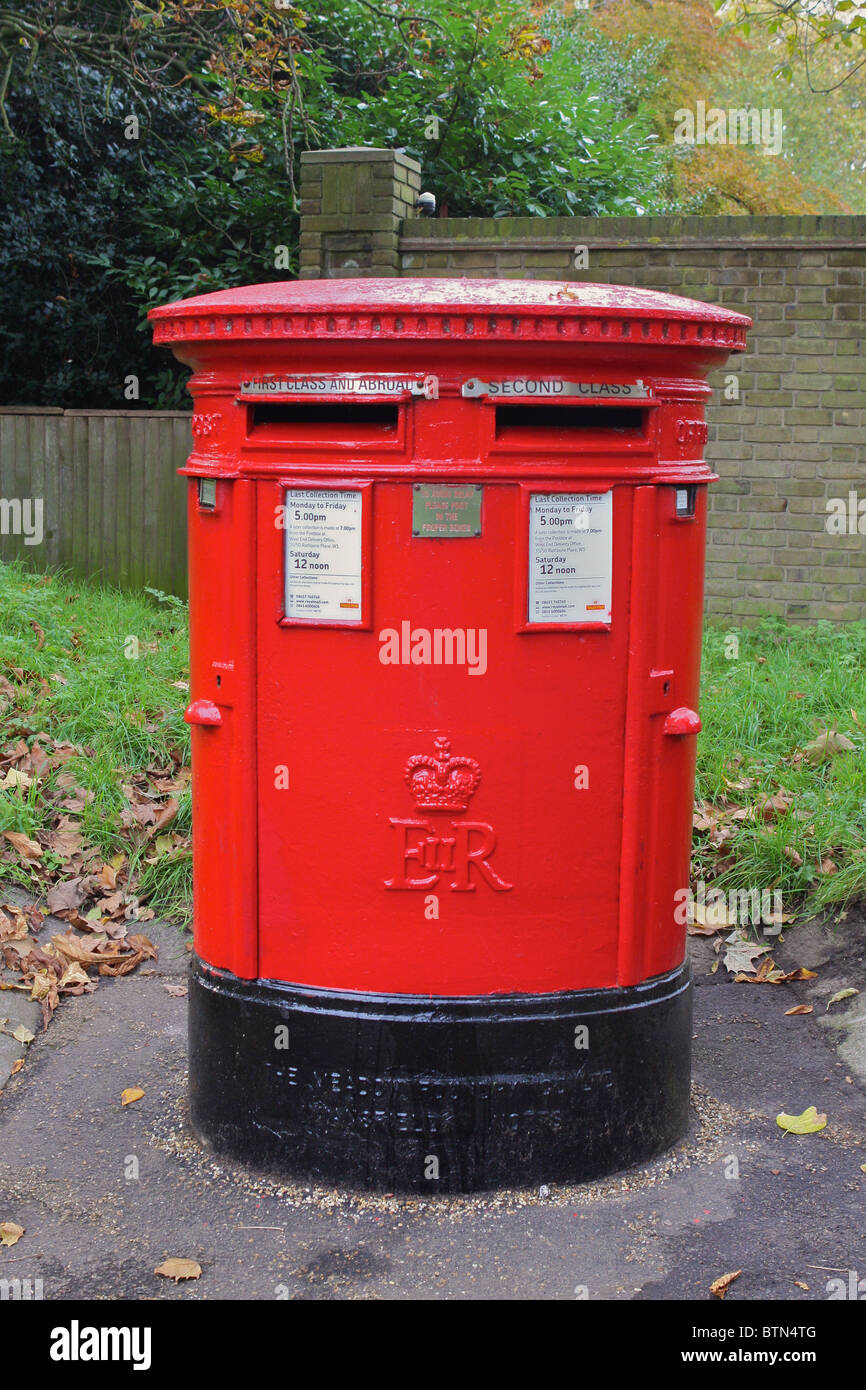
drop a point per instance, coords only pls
(324, 555)
(570, 557)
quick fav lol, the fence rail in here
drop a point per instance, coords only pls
(113, 506)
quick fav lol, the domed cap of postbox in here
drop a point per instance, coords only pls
(492, 311)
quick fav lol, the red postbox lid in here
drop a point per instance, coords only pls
(450, 309)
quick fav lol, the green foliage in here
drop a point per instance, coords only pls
(508, 114)
(98, 228)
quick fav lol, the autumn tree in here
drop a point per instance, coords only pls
(702, 61)
(824, 38)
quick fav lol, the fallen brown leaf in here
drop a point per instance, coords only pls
(771, 806)
(178, 1269)
(27, 848)
(826, 745)
(143, 945)
(720, 1286)
(74, 974)
(108, 876)
(110, 904)
(74, 948)
(767, 973)
(712, 917)
(166, 815)
(15, 930)
(120, 965)
(16, 778)
(65, 843)
(67, 894)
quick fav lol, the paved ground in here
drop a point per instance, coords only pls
(737, 1194)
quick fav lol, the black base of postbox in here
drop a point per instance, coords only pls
(408, 1093)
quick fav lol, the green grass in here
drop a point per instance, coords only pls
(73, 643)
(125, 715)
(760, 709)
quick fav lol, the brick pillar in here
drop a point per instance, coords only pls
(353, 203)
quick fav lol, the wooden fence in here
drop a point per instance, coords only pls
(113, 507)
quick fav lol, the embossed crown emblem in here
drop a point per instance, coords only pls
(443, 782)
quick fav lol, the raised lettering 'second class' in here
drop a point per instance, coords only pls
(553, 386)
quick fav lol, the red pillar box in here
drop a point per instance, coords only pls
(446, 565)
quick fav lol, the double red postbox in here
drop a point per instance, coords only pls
(446, 571)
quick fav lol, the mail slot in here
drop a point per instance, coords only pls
(530, 423)
(446, 567)
(323, 421)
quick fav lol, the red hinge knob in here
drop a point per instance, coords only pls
(683, 721)
(203, 712)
